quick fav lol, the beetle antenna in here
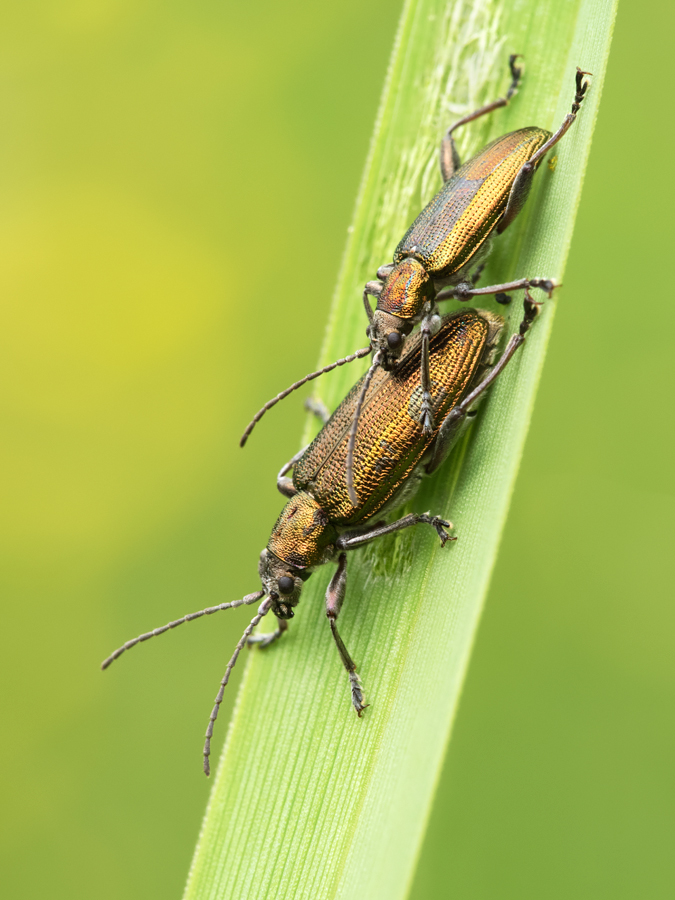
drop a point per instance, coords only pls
(263, 609)
(249, 598)
(353, 497)
(270, 403)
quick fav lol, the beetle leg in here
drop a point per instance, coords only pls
(352, 540)
(430, 325)
(450, 160)
(285, 485)
(366, 304)
(264, 640)
(318, 408)
(465, 292)
(335, 596)
(457, 416)
(475, 276)
(523, 181)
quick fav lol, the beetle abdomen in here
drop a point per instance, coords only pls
(452, 227)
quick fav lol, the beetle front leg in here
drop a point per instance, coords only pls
(264, 640)
(430, 325)
(449, 157)
(426, 409)
(374, 289)
(335, 596)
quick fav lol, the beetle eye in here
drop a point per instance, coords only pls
(394, 339)
(286, 584)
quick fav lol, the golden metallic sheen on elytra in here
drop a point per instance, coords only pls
(389, 441)
(453, 226)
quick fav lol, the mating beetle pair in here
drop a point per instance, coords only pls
(442, 254)
(414, 405)
(319, 524)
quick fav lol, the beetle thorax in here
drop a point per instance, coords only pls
(406, 289)
(303, 535)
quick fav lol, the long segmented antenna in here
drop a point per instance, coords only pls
(353, 497)
(298, 384)
(263, 609)
(245, 601)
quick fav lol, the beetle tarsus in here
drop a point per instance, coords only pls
(547, 285)
(516, 74)
(582, 87)
(358, 695)
(426, 414)
(440, 525)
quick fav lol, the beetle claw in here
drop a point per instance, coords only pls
(440, 525)
(357, 694)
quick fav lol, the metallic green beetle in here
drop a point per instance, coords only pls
(320, 524)
(442, 253)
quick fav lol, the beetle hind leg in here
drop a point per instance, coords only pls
(449, 157)
(450, 428)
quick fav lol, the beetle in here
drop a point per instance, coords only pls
(441, 255)
(320, 523)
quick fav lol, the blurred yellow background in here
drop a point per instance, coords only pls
(177, 180)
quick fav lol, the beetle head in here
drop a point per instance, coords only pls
(282, 582)
(387, 333)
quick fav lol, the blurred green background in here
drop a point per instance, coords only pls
(177, 180)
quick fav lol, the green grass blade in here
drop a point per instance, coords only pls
(308, 800)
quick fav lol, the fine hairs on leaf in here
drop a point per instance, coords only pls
(309, 800)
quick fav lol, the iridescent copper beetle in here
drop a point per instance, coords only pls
(320, 523)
